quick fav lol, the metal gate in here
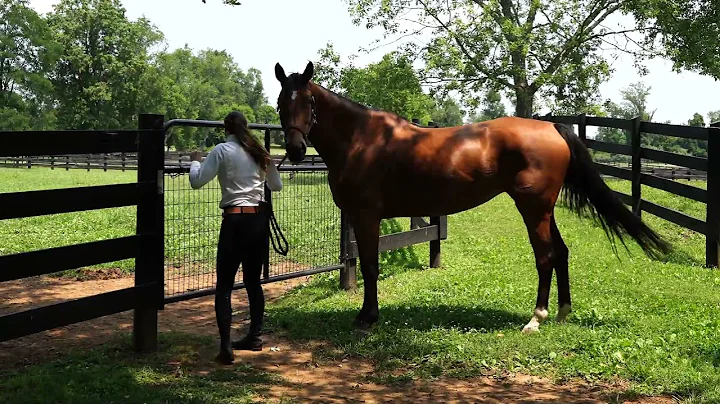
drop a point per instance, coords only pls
(304, 210)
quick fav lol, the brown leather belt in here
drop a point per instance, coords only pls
(241, 209)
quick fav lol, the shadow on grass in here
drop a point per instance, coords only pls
(336, 325)
(180, 372)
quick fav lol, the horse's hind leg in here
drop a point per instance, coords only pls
(560, 262)
(538, 219)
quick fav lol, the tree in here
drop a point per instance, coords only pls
(533, 49)
(713, 116)
(206, 85)
(447, 113)
(687, 30)
(27, 52)
(391, 84)
(493, 107)
(104, 58)
(634, 104)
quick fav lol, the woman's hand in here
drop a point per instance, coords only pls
(196, 156)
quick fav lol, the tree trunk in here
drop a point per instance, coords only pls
(524, 102)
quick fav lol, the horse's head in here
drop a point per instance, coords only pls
(296, 106)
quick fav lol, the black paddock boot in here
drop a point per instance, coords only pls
(251, 342)
(226, 355)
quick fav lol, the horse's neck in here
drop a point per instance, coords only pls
(335, 126)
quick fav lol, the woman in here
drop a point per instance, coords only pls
(242, 165)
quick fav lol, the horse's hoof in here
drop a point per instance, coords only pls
(563, 313)
(531, 329)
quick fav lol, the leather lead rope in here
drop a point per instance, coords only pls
(275, 228)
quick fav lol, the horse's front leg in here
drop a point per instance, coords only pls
(367, 235)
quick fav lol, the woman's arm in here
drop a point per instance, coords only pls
(202, 173)
(273, 177)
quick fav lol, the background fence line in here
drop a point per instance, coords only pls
(710, 227)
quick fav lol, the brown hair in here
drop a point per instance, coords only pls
(236, 124)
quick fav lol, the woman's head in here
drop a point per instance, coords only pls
(236, 124)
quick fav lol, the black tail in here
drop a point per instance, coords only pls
(585, 191)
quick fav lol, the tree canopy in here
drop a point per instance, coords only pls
(634, 103)
(542, 50)
(391, 84)
(87, 66)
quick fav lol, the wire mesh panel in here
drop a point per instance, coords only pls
(309, 220)
(304, 210)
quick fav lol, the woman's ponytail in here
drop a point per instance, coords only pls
(236, 123)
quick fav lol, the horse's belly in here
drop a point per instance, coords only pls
(437, 197)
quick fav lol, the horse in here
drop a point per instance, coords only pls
(382, 166)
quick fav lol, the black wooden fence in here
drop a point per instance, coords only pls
(711, 165)
(146, 246)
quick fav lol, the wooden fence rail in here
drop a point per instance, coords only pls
(146, 246)
(109, 161)
(710, 227)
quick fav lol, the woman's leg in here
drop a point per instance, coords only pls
(228, 261)
(252, 262)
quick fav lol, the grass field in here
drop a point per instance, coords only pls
(653, 324)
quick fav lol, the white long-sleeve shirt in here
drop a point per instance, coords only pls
(241, 179)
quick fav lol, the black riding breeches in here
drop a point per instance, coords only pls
(243, 240)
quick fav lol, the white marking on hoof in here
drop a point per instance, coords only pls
(563, 313)
(534, 325)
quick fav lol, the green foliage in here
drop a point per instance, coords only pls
(447, 113)
(713, 116)
(541, 50)
(87, 66)
(390, 84)
(525, 48)
(686, 31)
(493, 107)
(97, 77)
(27, 52)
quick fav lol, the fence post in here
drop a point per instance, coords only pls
(149, 262)
(268, 199)
(435, 256)
(582, 127)
(348, 273)
(635, 141)
(712, 238)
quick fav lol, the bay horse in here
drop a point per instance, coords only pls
(382, 166)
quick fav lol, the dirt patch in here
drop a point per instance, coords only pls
(308, 379)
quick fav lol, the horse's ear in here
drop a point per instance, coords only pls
(280, 73)
(308, 73)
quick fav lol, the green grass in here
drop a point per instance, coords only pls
(177, 373)
(654, 324)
